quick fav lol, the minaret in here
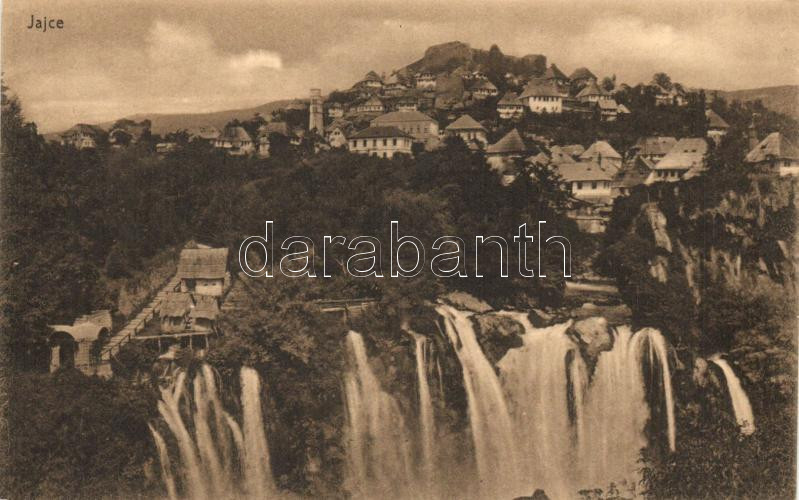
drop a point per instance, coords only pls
(315, 120)
(751, 134)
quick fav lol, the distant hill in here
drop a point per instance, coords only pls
(783, 99)
(451, 55)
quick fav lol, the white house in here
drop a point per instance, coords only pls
(384, 142)
(371, 105)
(716, 126)
(586, 180)
(203, 270)
(510, 106)
(603, 154)
(414, 123)
(543, 96)
(425, 80)
(236, 141)
(82, 136)
(483, 89)
(503, 153)
(775, 153)
(685, 160)
(468, 129)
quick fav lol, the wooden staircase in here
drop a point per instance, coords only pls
(134, 326)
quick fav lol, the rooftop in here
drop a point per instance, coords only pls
(209, 263)
(379, 132)
(465, 122)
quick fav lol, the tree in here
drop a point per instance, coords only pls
(663, 80)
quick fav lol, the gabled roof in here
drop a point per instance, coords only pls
(344, 125)
(591, 89)
(634, 173)
(465, 122)
(539, 159)
(85, 129)
(583, 171)
(654, 146)
(512, 142)
(204, 132)
(774, 146)
(607, 104)
(380, 132)
(714, 120)
(484, 84)
(600, 148)
(582, 74)
(553, 73)
(401, 117)
(372, 77)
(623, 109)
(686, 154)
(373, 101)
(208, 263)
(510, 99)
(205, 307)
(541, 88)
(559, 156)
(236, 134)
(176, 305)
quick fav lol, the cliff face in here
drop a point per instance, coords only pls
(451, 55)
(716, 267)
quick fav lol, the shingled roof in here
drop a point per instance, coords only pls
(553, 73)
(484, 84)
(205, 307)
(591, 89)
(582, 74)
(236, 134)
(774, 146)
(583, 171)
(600, 148)
(208, 263)
(510, 99)
(688, 153)
(176, 305)
(654, 146)
(465, 122)
(715, 121)
(401, 116)
(541, 88)
(379, 132)
(560, 156)
(512, 142)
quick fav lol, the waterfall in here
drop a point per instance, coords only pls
(740, 401)
(658, 349)
(208, 464)
(257, 470)
(426, 422)
(378, 443)
(166, 466)
(496, 452)
(534, 377)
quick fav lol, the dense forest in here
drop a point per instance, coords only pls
(77, 225)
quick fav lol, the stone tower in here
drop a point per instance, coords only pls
(315, 112)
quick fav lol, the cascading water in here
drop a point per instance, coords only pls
(378, 443)
(534, 377)
(208, 464)
(495, 445)
(615, 410)
(740, 401)
(426, 422)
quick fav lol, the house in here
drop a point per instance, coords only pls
(371, 82)
(502, 154)
(621, 109)
(203, 316)
(335, 110)
(652, 148)
(163, 148)
(541, 159)
(236, 141)
(587, 180)
(382, 141)
(775, 153)
(554, 75)
(414, 123)
(82, 136)
(371, 105)
(716, 126)
(673, 96)
(468, 129)
(174, 312)
(483, 89)
(337, 132)
(408, 103)
(543, 96)
(425, 80)
(608, 110)
(204, 133)
(582, 76)
(603, 154)
(394, 87)
(203, 270)
(685, 160)
(593, 93)
(510, 107)
(634, 173)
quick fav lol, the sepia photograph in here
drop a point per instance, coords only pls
(451, 250)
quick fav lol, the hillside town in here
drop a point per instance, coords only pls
(413, 110)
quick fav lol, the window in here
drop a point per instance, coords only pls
(385, 142)
(593, 185)
(394, 142)
(579, 185)
(374, 143)
(364, 143)
(787, 163)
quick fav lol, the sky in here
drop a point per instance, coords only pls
(114, 59)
